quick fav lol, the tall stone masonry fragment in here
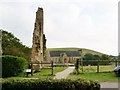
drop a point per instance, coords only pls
(39, 42)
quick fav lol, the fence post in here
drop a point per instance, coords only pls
(81, 58)
(98, 66)
(31, 69)
(82, 64)
(77, 66)
(116, 64)
(52, 66)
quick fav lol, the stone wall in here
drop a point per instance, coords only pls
(39, 41)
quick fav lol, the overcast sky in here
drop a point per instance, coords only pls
(91, 24)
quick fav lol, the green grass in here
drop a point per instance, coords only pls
(43, 74)
(107, 68)
(46, 73)
(100, 77)
(76, 49)
(102, 68)
(90, 73)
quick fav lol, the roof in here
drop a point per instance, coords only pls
(68, 53)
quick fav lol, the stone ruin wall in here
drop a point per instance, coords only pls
(39, 41)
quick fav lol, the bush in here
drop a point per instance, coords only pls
(12, 65)
(49, 84)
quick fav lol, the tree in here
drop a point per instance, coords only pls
(88, 56)
(11, 45)
(105, 57)
(89, 59)
(97, 57)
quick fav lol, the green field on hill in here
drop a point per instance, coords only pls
(84, 51)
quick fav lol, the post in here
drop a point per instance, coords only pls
(52, 66)
(98, 66)
(81, 59)
(116, 63)
(77, 66)
(82, 64)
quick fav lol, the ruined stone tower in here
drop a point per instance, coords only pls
(39, 41)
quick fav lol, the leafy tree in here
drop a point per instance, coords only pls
(11, 45)
(105, 57)
(97, 57)
(88, 56)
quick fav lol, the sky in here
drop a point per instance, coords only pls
(91, 24)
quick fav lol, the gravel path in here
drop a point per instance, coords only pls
(64, 74)
(110, 85)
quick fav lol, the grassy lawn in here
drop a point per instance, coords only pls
(90, 73)
(102, 68)
(46, 73)
(107, 68)
(43, 74)
(100, 77)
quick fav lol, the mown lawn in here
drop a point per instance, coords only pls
(102, 68)
(43, 74)
(46, 73)
(106, 73)
(100, 77)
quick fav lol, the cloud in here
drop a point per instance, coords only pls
(86, 29)
(18, 19)
(75, 23)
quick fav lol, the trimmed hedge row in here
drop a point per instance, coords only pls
(12, 65)
(49, 84)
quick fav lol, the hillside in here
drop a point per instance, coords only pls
(11, 45)
(85, 51)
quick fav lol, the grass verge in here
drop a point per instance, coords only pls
(102, 68)
(100, 77)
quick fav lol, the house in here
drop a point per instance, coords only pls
(63, 56)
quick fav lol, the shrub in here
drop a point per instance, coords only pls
(49, 84)
(12, 65)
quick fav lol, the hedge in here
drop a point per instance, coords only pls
(49, 84)
(13, 65)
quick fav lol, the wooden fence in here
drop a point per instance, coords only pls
(113, 63)
(42, 64)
